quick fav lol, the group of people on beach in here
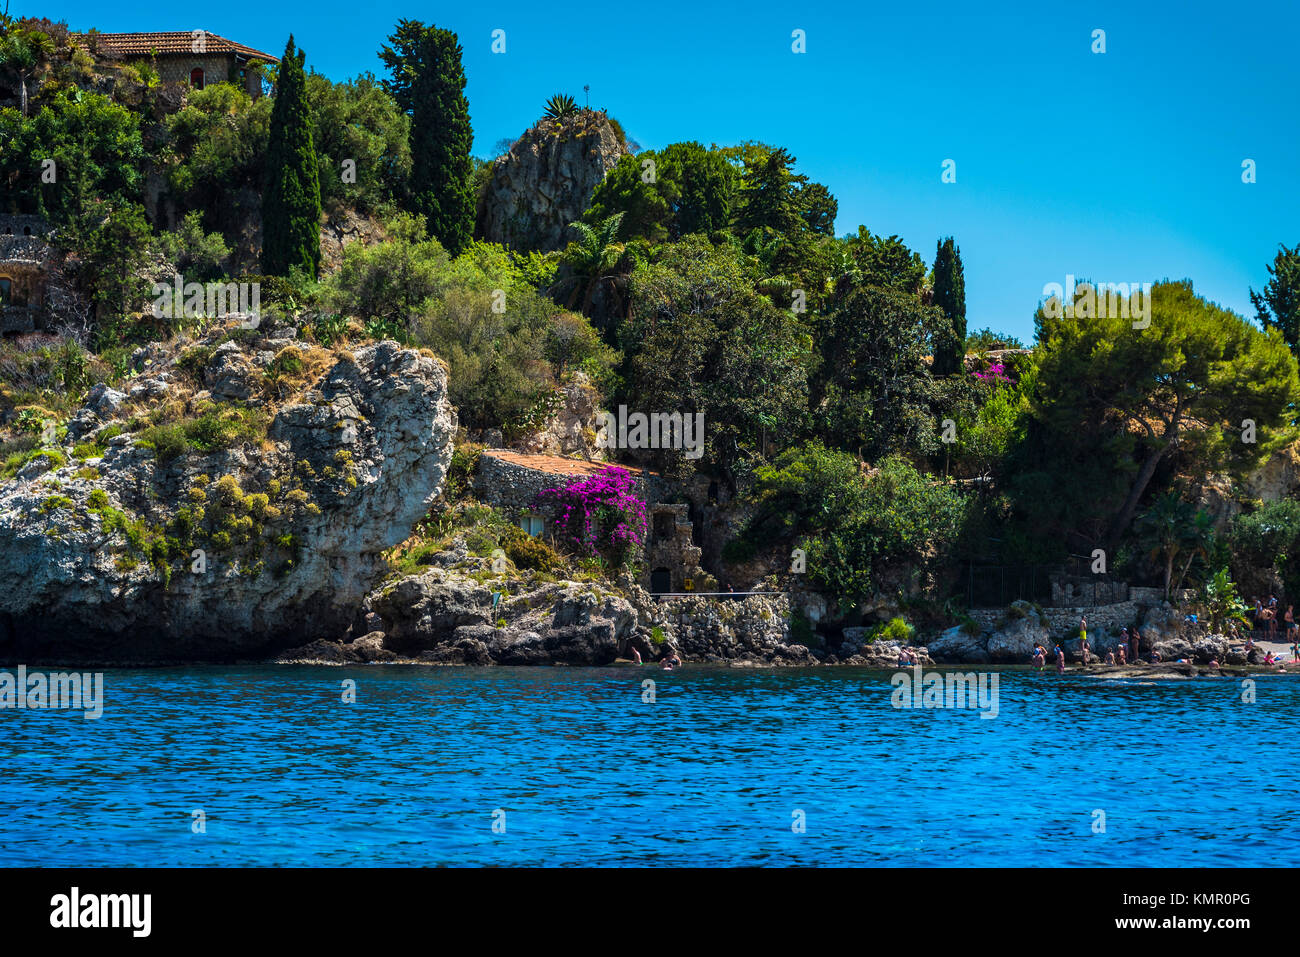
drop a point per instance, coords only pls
(1265, 618)
(1125, 652)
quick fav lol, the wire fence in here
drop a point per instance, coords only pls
(1068, 585)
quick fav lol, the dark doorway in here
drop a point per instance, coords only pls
(661, 580)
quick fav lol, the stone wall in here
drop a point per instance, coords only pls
(512, 481)
(756, 628)
(670, 545)
(216, 67)
(1061, 621)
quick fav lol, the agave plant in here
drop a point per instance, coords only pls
(561, 106)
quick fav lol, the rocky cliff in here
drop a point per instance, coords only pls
(546, 180)
(233, 500)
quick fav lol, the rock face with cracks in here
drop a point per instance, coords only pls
(546, 181)
(267, 543)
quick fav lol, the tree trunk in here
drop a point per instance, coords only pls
(1125, 516)
(1186, 565)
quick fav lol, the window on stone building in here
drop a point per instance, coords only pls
(663, 526)
(196, 78)
(533, 525)
(6, 290)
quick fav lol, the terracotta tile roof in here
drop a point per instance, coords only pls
(553, 464)
(179, 42)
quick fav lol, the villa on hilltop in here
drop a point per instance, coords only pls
(196, 57)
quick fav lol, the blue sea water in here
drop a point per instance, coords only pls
(712, 772)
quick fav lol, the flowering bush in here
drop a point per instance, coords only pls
(996, 372)
(599, 516)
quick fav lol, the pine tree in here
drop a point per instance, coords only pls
(950, 296)
(291, 201)
(768, 191)
(428, 83)
(1279, 305)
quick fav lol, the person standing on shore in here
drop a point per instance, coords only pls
(1133, 645)
(1083, 638)
(1040, 656)
(1060, 660)
(1123, 658)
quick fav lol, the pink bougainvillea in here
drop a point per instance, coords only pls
(599, 515)
(996, 372)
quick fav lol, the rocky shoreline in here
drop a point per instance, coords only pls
(141, 538)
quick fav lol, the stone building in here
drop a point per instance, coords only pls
(25, 258)
(196, 57)
(512, 481)
(672, 559)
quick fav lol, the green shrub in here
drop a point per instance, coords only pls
(460, 473)
(896, 629)
(528, 552)
(167, 441)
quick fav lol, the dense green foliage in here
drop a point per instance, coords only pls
(1189, 382)
(851, 526)
(291, 201)
(844, 400)
(667, 194)
(950, 296)
(506, 344)
(428, 82)
(1278, 306)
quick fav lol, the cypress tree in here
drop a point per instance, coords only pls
(950, 296)
(291, 201)
(428, 83)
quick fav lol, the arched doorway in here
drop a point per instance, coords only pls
(661, 580)
(196, 78)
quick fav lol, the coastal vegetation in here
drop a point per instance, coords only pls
(850, 413)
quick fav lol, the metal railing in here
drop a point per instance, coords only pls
(996, 586)
(660, 596)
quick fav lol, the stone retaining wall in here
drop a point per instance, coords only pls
(1061, 621)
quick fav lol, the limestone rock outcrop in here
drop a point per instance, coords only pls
(545, 181)
(145, 552)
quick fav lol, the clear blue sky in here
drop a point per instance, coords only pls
(1122, 166)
